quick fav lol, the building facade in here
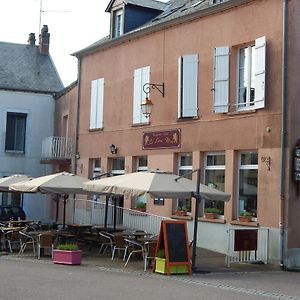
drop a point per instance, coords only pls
(28, 82)
(222, 78)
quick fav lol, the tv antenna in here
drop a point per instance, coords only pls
(48, 11)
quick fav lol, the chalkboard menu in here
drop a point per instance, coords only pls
(173, 241)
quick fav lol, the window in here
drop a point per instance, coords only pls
(248, 171)
(96, 114)
(10, 199)
(251, 69)
(15, 132)
(118, 23)
(185, 167)
(188, 86)
(96, 167)
(142, 164)
(141, 76)
(215, 177)
(118, 166)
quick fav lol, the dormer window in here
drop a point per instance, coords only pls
(118, 23)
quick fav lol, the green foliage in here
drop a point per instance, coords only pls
(212, 210)
(246, 213)
(140, 205)
(68, 247)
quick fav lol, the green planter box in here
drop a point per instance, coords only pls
(160, 267)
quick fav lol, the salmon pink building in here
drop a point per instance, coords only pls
(221, 81)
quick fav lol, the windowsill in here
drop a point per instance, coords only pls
(240, 112)
(251, 223)
(183, 119)
(219, 221)
(15, 152)
(182, 217)
(96, 129)
(140, 124)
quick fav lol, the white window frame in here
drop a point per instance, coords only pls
(116, 172)
(257, 75)
(217, 167)
(96, 170)
(245, 167)
(97, 104)
(141, 168)
(188, 69)
(118, 15)
(141, 77)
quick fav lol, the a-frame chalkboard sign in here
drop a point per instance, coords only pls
(173, 241)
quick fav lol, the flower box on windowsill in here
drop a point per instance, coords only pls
(66, 257)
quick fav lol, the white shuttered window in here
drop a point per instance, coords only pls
(141, 76)
(221, 80)
(96, 113)
(188, 86)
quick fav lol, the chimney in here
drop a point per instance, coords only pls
(31, 39)
(44, 40)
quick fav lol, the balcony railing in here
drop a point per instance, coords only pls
(56, 148)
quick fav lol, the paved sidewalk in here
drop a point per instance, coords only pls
(206, 262)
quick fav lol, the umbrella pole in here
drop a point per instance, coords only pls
(64, 216)
(115, 212)
(57, 207)
(198, 200)
(106, 211)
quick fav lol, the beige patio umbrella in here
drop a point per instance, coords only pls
(5, 182)
(159, 185)
(156, 184)
(60, 183)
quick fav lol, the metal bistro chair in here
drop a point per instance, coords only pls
(44, 241)
(105, 242)
(26, 240)
(134, 247)
(119, 244)
(150, 251)
(13, 238)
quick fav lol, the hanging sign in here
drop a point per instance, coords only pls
(162, 139)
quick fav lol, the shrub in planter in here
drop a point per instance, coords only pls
(211, 212)
(245, 216)
(140, 207)
(68, 254)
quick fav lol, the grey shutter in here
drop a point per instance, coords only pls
(221, 80)
(260, 72)
(188, 86)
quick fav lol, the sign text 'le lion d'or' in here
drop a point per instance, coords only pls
(162, 139)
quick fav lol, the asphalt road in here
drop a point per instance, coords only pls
(32, 279)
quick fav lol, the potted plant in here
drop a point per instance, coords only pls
(141, 206)
(181, 211)
(245, 216)
(68, 254)
(211, 212)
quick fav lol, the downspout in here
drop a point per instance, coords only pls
(77, 129)
(283, 138)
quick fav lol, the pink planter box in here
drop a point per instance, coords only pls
(66, 257)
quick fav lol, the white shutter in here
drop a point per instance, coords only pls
(221, 80)
(93, 109)
(260, 71)
(190, 85)
(99, 111)
(145, 79)
(180, 87)
(141, 76)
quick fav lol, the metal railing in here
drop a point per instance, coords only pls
(126, 217)
(258, 255)
(54, 147)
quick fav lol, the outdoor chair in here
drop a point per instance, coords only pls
(119, 244)
(26, 240)
(134, 247)
(105, 241)
(44, 241)
(13, 238)
(150, 251)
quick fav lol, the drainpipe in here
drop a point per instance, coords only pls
(74, 171)
(283, 138)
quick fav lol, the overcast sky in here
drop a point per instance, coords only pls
(73, 25)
